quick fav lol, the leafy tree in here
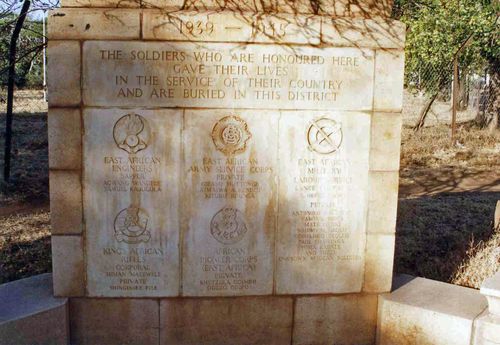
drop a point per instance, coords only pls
(438, 30)
(29, 46)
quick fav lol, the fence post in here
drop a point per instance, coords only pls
(455, 99)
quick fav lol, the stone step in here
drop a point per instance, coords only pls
(423, 311)
(29, 314)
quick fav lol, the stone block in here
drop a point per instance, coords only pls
(87, 24)
(383, 202)
(389, 80)
(31, 315)
(229, 26)
(428, 312)
(63, 79)
(385, 141)
(132, 161)
(65, 202)
(226, 321)
(325, 320)
(101, 3)
(65, 143)
(68, 266)
(238, 6)
(369, 8)
(228, 248)
(322, 205)
(380, 33)
(227, 76)
(491, 289)
(487, 329)
(379, 262)
(335, 8)
(114, 321)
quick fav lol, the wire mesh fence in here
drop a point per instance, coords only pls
(431, 90)
(26, 101)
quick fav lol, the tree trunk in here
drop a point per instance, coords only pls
(424, 112)
(493, 108)
(10, 88)
(488, 115)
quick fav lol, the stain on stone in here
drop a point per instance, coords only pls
(87, 27)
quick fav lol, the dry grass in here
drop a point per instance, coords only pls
(29, 172)
(432, 148)
(24, 245)
(483, 261)
(435, 230)
(434, 233)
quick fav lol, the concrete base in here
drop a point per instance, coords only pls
(30, 315)
(418, 312)
(428, 312)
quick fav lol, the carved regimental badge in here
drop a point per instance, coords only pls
(228, 226)
(324, 135)
(131, 133)
(131, 226)
(230, 135)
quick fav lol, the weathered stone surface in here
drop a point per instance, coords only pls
(383, 202)
(81, 23)
(63, 78)
(487, 329)
(320, 242)
(65, 202)
(101, 3)
(68, 266)
(379, 262)
(237, 6)
(363, 33)
(132, 162)
(114, 321)
(230, 173)
(368, 8)
(65, 138)
(385, 141)
(230, 26)
(325, 320)
(335, 8)
(31, 315)
(491, 289)
(215, 75)
(428, 312)
(389, 80)
(226, 321)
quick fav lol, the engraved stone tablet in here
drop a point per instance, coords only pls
(131, 162)
(225, 75)
(229, 210)
(323, 202)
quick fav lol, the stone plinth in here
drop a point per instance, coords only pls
(29, 313)
(487, 326)
(423, 311)
(225, 167)
(491, 289)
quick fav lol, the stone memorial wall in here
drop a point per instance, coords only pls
(240, 150)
